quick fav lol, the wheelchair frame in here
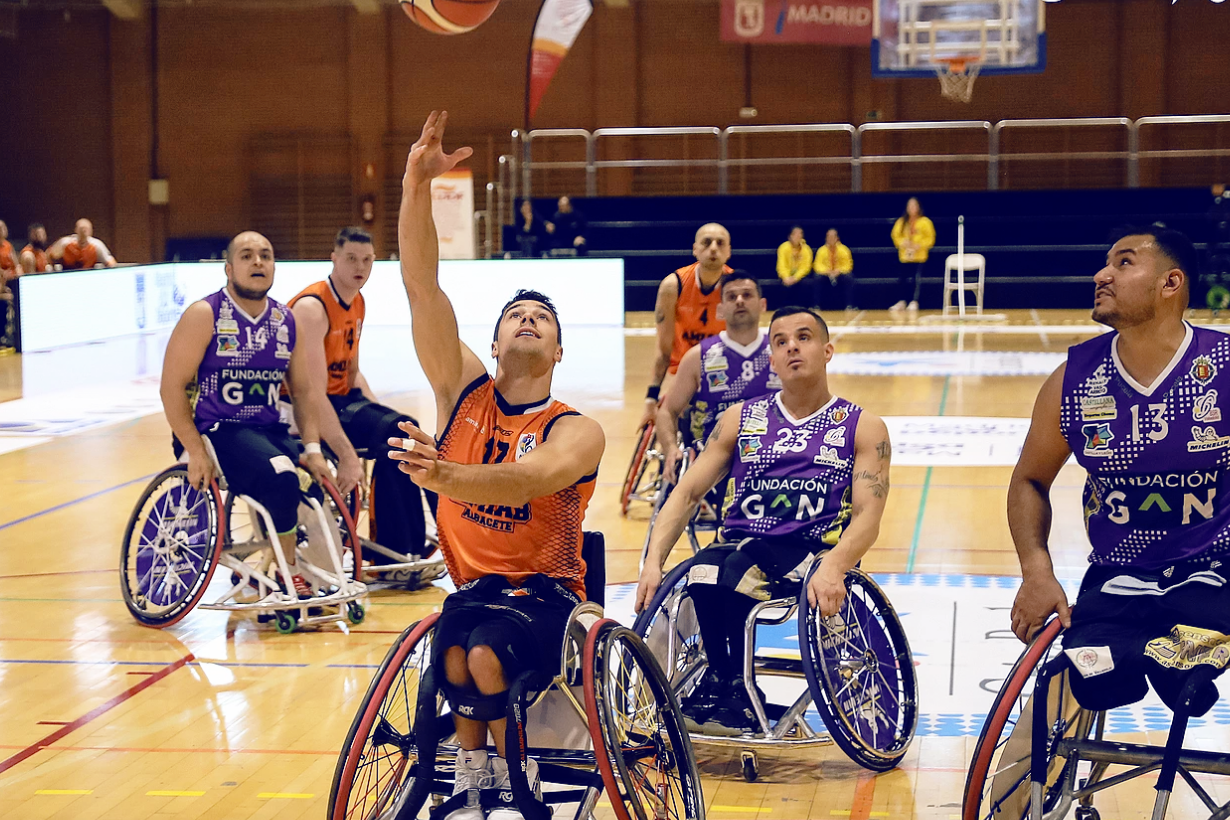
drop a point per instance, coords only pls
(788, 727)
(707, 518)
(637, 487)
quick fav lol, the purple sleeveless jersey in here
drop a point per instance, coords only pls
(1158, 457)
(241, 375)
(791, 479)
(729, 374)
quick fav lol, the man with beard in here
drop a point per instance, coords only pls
(514, 469)
(33, 257)
(221, 376)
(1141, 410)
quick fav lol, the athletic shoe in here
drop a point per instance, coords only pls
(898, 307)
(302, 588)
(472, 771)
(697, 706)
(503, 780)
(734, 712)
(912, 307)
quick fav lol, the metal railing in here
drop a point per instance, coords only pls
(521, 157)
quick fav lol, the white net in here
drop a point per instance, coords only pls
(957, 79)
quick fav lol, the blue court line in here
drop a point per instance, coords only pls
(32, 516)
(922, 501)
(157, 663)
(352, 666)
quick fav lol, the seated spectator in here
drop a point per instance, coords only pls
(532, 233)
(835, 273)
(33, 257)
(568, 227)
(81, 249)
(794, 264)
(8, 259)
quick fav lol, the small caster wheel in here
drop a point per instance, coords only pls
(355, 612)
(286, 622)
(750, 771)
(1087, 813)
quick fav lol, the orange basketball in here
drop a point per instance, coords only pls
(449, 16)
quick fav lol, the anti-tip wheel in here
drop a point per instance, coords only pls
(1087, 813)
(285, 622)
(750, 770)
(355, 612)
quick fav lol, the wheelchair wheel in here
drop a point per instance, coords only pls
(171, 548)
(669, 629)
(641, 745)
(998, 785)
(638, 467)
(861, 674)
(376, 767)
(339, 512)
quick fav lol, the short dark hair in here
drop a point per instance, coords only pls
(1174, 245)
(739, 275)
(352, 234)
(793, 310)
(525, 295)
(794, 228)
(34, 226)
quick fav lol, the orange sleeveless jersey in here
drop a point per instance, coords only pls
(342, 338)
(695, 313)
(76, 256)
(543, 536)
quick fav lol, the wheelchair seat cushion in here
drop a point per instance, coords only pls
(760, 569)
(524, 625)
(1130, 624)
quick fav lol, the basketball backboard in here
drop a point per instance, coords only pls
(915, 38)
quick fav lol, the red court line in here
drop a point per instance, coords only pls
(194, 750)
(98, 711)
(53, 723)
(65, 572)
(860, 809)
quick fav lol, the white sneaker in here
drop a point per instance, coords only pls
(500, 769)
(898, 307)
(473, 771)
(913, 307)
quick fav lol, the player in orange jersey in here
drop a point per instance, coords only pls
(515, 470)
(330, 315)
(686, 309)
(81, 249)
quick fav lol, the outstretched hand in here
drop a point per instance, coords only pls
(427, 158)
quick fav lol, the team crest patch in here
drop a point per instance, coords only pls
(1203, 370)
(1097, 439)
(749, 447)
(525, 444)
(228, 345)
(717, 379)
(276, 316)
(840, 415)
(1205, 408)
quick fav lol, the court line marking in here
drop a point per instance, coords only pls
(65, 572)
(96, 712)
(194, 750)
(753, 809)
(173, 794)
(922, 501)
(32, 516)
(864, 791)
(283, 796)
(64, 791)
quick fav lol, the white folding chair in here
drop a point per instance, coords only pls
(955, 280)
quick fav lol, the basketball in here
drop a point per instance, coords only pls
(449, 16)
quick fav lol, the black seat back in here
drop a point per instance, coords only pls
(593, 553)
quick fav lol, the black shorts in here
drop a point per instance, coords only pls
(1129, 624)
(261, 462)
(760, 569)
(524, 625)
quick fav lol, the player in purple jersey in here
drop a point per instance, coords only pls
(808, 477)
(1140, 410)
(718, 372)
(232, 349)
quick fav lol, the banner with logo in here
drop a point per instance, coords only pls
(556, 29)
(825, 22)
(452, 206)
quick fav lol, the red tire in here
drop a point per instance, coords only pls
(637, 468)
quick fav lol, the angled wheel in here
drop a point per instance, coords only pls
(669, 629)
(861, 674)
(338, 511)
(998, 785)
(377, 765)
(636, 470)
(171, 548)
(641, 745)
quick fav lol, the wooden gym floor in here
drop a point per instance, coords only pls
(218, 717)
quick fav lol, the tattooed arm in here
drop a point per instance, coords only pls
(664, 322)
(868, 494)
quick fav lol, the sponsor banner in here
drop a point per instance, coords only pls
(452, 207)
(956, 441)
(556, 29)
(824, 22)
(940, 363)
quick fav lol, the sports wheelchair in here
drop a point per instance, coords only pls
(643, 480)
(708, 516)
(1039, 752)
(177, 536)
(606, 721)
(855, 667)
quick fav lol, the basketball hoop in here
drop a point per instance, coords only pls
(957, 75)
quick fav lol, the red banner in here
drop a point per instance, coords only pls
(556, 29)
(825, 22)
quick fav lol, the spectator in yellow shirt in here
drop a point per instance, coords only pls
(794, 263)
(835, 272)
(914, 235)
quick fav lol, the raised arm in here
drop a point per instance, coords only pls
(448, 364)
(570, 453)
(676, 401)
(710, 467)
(185, 349)
(868, 494)
(664, 321)
(1029, 513)
(311, 326)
